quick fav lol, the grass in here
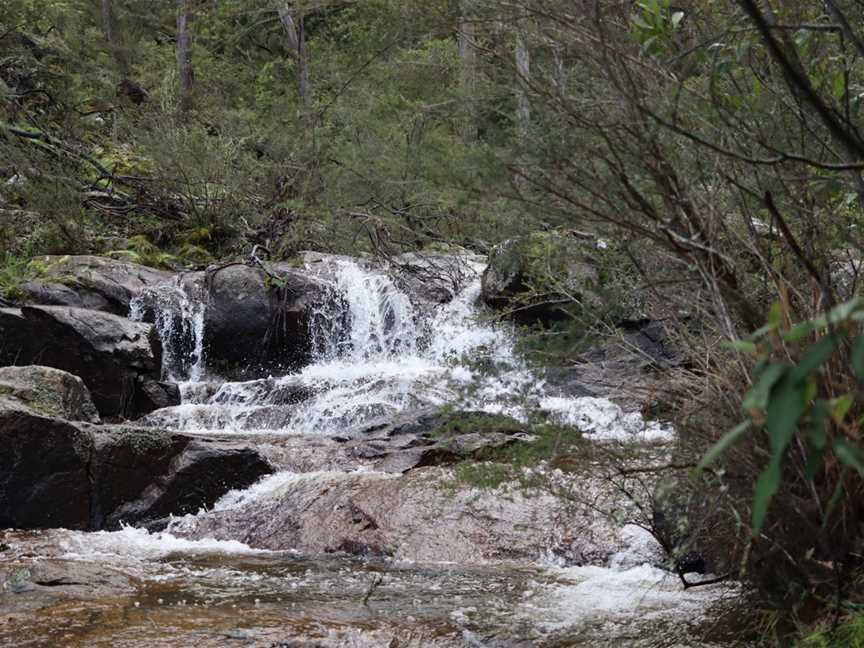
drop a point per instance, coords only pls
(554, 446)
(14, 271)
(849, 634)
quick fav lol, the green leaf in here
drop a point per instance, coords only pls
(766, 487)
(857, 358)
(757, 397)
(815, 357)
(743, 346)
(842, 312)
(785, 408)
(849, 455)
(799, 331)
(725, 442)
(819, 414)
(840, 406)
(677, 17)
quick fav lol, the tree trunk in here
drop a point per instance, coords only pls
(296, 35)
(523, 105)
(560, 67)
(108, 21)
(466, 36)
(523, 72)
(184, 52)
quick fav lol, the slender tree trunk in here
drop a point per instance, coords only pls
(560, 67)
(523, 105)
(295, 32)
(466, 38)
(108, 21)
(184, 51)
(523, 72)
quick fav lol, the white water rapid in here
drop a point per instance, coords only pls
(375, 354)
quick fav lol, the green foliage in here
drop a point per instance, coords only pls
(13, 271)
(141, 250)
(799, 399)
(849, 634)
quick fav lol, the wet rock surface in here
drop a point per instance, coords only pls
(45, 478)
(111, 354)
(386, 520)
(143, 476)
(54, 473)
(256, 324)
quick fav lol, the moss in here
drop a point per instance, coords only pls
(558, 447)
(455, 423)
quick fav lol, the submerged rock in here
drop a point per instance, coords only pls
(113, 355)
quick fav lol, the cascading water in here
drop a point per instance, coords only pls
(179, 321)
(374, 354)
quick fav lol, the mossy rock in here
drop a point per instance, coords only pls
(542, 276)
(46, 391)
(551, 276)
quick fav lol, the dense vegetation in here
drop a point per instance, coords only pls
(714, 147)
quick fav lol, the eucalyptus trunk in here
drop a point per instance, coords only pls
(295, 33)
(184, 51)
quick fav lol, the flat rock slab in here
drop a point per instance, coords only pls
(93, 282)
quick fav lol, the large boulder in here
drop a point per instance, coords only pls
(93, 282)
(114, 356)
(257, 324)
(45, 478)
(426, 514)
(55, 473)
(47, 391)
(144, 475)
(541, 277)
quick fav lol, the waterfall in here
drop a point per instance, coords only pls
(179, 321)
(366, 318)
(374, 354)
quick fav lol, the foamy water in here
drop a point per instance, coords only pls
(375, 354)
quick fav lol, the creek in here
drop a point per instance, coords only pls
(232, 575)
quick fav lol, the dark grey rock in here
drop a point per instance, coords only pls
(111, 354)
(255, 326)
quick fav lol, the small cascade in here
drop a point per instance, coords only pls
(374, 354)
(179, 321)
(368, 318)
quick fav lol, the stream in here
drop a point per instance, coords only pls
(228, 577)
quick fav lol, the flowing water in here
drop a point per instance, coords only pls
(375, 353)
